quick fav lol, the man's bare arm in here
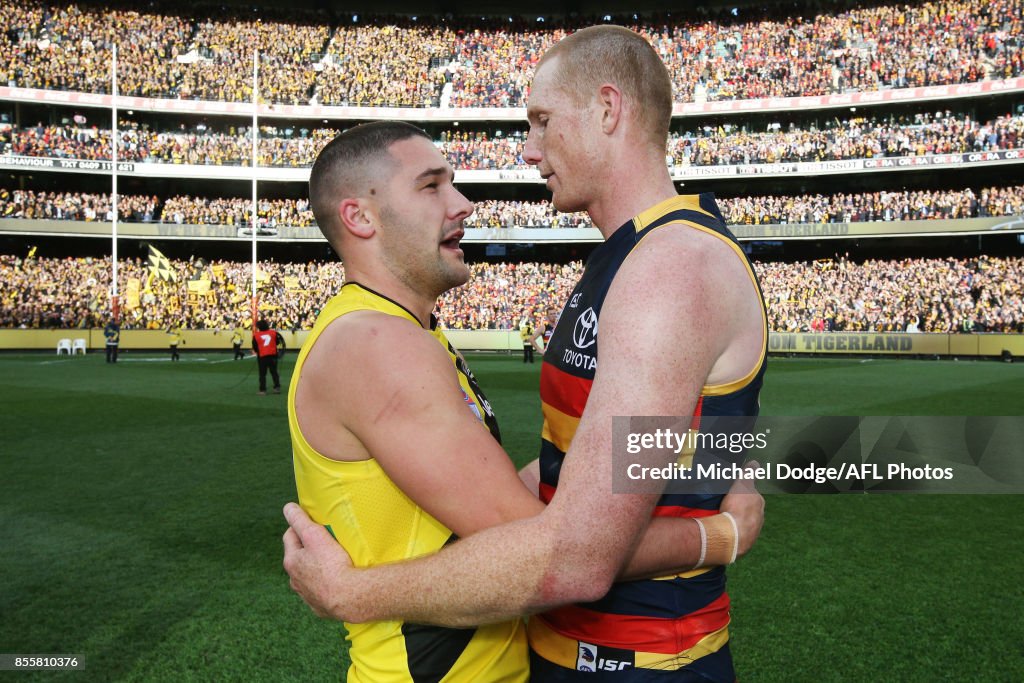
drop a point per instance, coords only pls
(672, 545)
(654, 362)
(535, 340)
(384, 385)
(410, 416)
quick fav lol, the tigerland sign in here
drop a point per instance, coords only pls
(986, 225)
(895, 344)
(853, 342)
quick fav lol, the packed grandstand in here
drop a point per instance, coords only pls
(898, 118)
(464, 62)
(926, 295)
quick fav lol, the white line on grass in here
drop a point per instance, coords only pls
(123, 359)
(159, 360)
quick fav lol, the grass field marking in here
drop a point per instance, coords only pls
(52, 362)
(229, 360)
(161, 360)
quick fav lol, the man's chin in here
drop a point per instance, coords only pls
(456, 276)
(565, 204)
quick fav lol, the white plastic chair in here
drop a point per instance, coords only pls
(64, 345)
(79, 345)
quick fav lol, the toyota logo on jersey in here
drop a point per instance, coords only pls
(584, 334)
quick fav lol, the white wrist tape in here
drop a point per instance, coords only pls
(703, 544)
(735, 537)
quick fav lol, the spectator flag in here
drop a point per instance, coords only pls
(160, 266)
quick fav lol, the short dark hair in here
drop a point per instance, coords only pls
(343, 166)
(262, 325)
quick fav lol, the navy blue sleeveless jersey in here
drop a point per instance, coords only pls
(676, 624)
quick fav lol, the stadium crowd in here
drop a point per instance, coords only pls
(224, 68)
(285, 213)
(181, 210)
(494, 213)
(863, 49)
(74, 293)
(855, 138)
(206, 52)
(387, 64)
(926, 295)
(875, 206)
(908, 295)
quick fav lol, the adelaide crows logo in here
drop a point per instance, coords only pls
(585, 657)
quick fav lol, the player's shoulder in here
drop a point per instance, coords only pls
(681, 275)
(670, 262)
(373, 338)
(372, 323)
(684, 243)
(377, 358)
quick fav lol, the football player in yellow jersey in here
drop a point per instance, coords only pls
(394, 446)
(382, 410)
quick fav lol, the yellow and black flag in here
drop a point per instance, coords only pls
(160, 266)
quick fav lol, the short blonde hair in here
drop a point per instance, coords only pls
(602, 54)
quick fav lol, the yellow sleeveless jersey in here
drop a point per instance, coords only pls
(377, 523)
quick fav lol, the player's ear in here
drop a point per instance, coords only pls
(609, 100)
(356, 217)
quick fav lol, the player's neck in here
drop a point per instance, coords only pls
(626, 195)
(616, 207)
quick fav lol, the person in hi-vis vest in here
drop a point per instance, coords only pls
(265, 343)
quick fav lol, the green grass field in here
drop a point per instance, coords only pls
(140, 528)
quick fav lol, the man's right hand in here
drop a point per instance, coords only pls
(746, 506)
